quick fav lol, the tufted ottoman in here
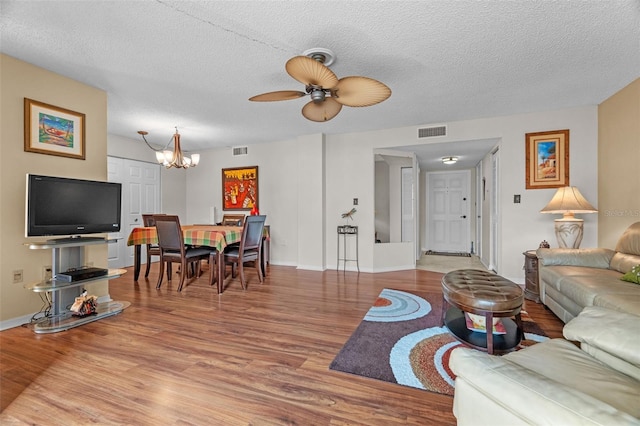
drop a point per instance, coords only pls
(486, 294)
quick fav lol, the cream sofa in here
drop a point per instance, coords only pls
(556, 382)
(572, 279)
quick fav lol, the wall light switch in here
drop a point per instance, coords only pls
(355, 201)
(516, 199)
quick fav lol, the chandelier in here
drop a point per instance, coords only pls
(174, 158)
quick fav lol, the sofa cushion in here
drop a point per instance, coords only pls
(535, 398)
(612, 331)
(629, 241)
(591, 258)
(602, 288)
(623, 262)
(624, 300)
(552, 275)
(565, 363)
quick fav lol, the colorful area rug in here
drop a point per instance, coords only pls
(400, 340)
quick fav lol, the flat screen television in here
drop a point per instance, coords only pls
(72, 207)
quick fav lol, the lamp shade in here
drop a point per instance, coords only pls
(567, 201)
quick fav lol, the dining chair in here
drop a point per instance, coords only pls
(233, 220)
(152, 249)
(249, 249)
(173, 250)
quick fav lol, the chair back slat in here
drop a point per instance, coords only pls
(169, 233)
(233, 220)
(148, 219)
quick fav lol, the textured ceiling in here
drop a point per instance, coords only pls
(194, 64)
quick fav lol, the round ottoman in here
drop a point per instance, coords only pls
(490, 296)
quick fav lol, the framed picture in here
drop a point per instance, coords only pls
(53, 130)
(240, 188)
(547, 159)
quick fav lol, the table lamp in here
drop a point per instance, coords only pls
(568, 201)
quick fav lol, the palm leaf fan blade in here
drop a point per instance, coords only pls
(281, 95)
(321, 111)
(360, 91)
(311, 72)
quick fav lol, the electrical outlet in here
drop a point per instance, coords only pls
(46, 273)
(17, 276)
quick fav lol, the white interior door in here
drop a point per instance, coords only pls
(448, 211)
(140, 194)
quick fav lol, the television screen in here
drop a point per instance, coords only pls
(63, 206)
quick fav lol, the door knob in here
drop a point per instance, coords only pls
(464, 217)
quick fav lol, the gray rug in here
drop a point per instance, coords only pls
(447, 253)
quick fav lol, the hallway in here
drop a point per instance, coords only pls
(446, 264)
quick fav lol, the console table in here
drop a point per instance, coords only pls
(68, 253)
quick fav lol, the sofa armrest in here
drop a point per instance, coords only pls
(526, 394)
(611, 331)
(592, 258)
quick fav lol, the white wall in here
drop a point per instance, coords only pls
(522, 227)
(349, 173)
(278, 196)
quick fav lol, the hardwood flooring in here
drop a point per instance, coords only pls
(254, 357)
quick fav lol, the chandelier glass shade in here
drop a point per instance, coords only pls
(172, 158)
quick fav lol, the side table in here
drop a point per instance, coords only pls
(531, 283)
(345, 231)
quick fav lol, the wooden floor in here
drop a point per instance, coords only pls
(254, 357)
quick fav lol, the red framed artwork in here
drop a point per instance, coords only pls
(547, 159)
(240, 188)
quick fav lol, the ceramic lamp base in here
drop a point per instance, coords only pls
(569, 232)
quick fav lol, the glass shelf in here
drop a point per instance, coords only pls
(67, 320)
(54, 285)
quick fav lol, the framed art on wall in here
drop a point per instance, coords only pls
(53, 130)
(547, 159)
(240, 188)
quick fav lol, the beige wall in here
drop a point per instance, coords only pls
(618, 164)
(19, 80)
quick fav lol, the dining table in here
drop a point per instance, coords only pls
(214, 236)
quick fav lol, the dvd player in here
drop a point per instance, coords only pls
(81, 274)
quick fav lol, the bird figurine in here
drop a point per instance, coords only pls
(349, 214)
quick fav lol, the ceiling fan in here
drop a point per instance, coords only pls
(328, 94)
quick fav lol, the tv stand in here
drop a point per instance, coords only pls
(68, 253)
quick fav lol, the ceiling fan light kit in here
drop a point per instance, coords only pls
(328, 93)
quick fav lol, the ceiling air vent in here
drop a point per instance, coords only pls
(240, 150)
(430, 132)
